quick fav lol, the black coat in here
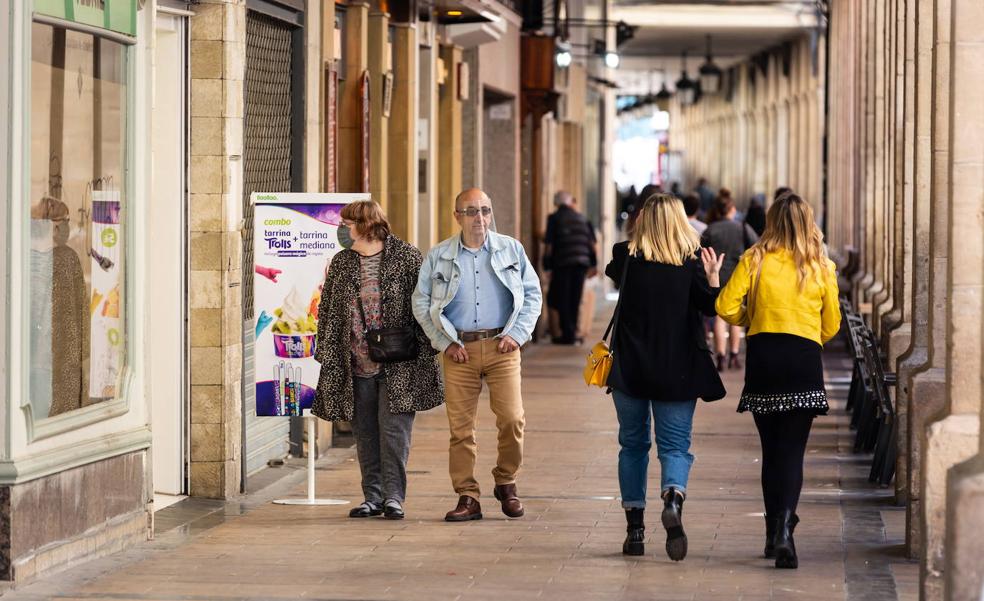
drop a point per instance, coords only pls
(659, 346)
(414, 385)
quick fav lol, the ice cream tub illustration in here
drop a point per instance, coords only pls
(295, 346)
(296, 328)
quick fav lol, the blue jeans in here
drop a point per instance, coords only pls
(673, 426)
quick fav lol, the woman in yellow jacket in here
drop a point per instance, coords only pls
(784, 290)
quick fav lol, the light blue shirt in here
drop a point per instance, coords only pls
(440, 277)
(482, 301)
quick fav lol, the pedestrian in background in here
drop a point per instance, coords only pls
(706, 194)
(571, 255)
(691, 204)
(478, 299)
(368, 287)
(729, 238)
(784, 290)
(661, 361)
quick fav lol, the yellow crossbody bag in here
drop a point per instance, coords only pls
(600, 359)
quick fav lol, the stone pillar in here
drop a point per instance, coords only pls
(471, 122)
(927, 386)
(218, 50)
(403, 134)
(449, 142)
(380, 59)
(865, 192)
(964, 545)
(898, 330)
(915, 358)
(888, 304)
(427, 229)
(874, 293)
(350, 106)
(953, 436)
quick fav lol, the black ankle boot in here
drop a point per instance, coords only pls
(635, 532)
(672, 518)
(785, 549)
(770, 537)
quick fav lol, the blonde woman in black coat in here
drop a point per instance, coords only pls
(662, 364)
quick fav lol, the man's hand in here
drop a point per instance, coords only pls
(592, 272)
(507, 345)
(456, 353)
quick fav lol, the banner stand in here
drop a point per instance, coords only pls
(310, 500)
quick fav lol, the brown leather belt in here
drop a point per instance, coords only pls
(479, 335)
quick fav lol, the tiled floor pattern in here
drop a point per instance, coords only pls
(568, 545)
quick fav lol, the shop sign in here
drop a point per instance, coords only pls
(115, 15)
(294, 239)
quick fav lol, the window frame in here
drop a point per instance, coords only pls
(47, 427)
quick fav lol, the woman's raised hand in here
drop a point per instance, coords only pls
(712, 265)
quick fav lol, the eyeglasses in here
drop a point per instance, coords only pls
(473, 211)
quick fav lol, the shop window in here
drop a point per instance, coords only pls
(78, 220)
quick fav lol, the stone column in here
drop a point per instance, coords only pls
(356, 54)
(915, 358)
(218, 50)
(874, 292)
(889, 310)
(449, 142)
(898, 330)
(403, 134)
(928, 386)
(865, 189)
(380, 59)
(964, 545)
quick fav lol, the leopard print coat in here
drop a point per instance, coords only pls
(414, 385)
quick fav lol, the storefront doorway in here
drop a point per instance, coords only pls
(168, 262)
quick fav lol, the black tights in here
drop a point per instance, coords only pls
(784, 436)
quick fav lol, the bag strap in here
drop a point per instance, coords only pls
(618, 305)
(753, 291)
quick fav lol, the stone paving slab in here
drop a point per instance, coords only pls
(567, 547)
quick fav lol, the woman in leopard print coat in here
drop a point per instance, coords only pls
(368, 287)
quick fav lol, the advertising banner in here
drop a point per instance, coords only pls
(294, 239)
(106, 326)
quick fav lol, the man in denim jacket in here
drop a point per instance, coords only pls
(478, 299)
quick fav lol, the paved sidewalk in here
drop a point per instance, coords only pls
(567, 547)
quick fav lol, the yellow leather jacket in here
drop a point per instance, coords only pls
(780, 306)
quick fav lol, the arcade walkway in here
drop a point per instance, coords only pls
(567, 546)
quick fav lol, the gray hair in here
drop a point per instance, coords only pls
(563, 198)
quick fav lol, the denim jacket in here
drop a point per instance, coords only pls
(440, 276)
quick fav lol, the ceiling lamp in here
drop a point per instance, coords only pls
(686, 87)
(663, 97)
(562, 53)
(710, 74)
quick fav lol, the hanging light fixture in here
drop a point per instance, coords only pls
(562, 53)
(662, 97)
(686, 87)
(710, 74)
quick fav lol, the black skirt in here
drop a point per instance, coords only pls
(782, 373)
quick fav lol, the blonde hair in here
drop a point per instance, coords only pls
(662, 231)
(789, 225)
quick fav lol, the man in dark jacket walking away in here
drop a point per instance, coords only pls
(571, 256)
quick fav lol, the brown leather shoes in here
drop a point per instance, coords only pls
(467, 509)
(506, 493)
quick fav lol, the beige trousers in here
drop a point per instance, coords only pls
(462, 385)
